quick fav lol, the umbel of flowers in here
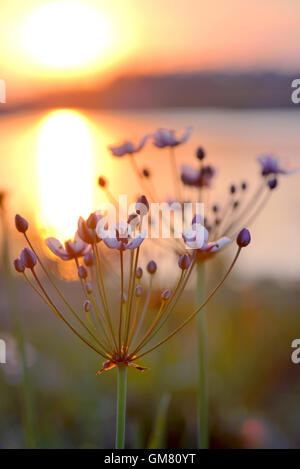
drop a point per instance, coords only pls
(239, 206)
(121, 337)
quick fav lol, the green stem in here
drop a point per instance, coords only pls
(121, 406)
(202, 392)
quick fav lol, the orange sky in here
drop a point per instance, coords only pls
(109, 38)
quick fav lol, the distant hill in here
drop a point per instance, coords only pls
(190, 90)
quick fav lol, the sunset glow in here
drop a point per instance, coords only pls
(65, 172)
(66, 35)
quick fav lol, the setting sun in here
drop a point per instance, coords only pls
(65, 35)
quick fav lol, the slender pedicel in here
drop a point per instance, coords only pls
(191, 317)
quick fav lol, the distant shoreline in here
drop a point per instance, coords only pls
(190, 91)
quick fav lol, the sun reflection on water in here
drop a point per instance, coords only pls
(65, 172)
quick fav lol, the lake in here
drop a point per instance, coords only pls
(51, 160)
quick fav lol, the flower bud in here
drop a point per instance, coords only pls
(19, 266)
(165, 296)
(28, 258)
(87, 306)
(139, 272)
(102, 181)
(138, 290)
(89, 287)
(184, 262)
(146, 173)
(272, 183)
(82, 272)
(142, 206)
(200, 153)
(243, 238)
(89, 259)
(92, 221)
(21, 224)
(151, 267)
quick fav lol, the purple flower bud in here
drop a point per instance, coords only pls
(28, 258)
(142, 205)
(165, 296)
(92, 221)
(19, 266)
(21, 224)
(82, 272)
(273, 183)
(87, 306)
(151, 267)
(184, 262)
(146, 173)
(89, 259)
(89, 287)
(200, 153)
(138, 290)
(102, 181)
(243, 238)
(139, 272)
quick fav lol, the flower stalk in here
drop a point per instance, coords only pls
(202, 388)
(121, 406)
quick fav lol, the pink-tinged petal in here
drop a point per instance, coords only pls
(142, 143)
(186, 135)
(271, 165)
(118, 151)
(135, 242)
(112, 243)
(196, 237)
(217, 245)
(166, 138)
(163, 138)
(57, 248)
(74, 247)
(81, 246)
(127, 148)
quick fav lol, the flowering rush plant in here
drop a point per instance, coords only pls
(123, 335)
(209, 232)
(121, 338)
